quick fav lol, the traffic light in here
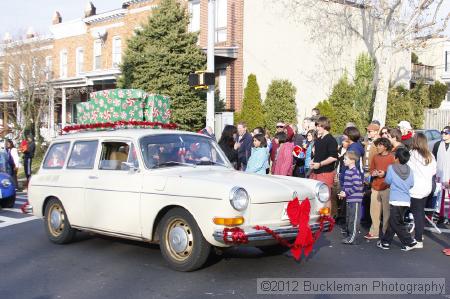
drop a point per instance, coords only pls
(201, 79)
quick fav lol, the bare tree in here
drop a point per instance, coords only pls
(386, 27)
(27, 68)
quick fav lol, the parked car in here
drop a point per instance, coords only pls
(7, 191)
(163, 186)
(432, 135)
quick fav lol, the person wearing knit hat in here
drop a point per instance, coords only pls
(407, 133)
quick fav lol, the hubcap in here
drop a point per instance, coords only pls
(179, 239)
(56, 220)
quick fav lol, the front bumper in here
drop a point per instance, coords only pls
(256, 236)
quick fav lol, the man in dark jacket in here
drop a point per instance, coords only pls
(28, 156)
(243, 145)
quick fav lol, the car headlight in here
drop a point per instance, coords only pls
(239, 198)
(6, 183)
(322, 192)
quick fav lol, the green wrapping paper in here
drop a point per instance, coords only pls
(124, 104)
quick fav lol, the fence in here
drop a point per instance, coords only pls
(436, 118)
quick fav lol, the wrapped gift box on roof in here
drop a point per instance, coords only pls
(124, 104)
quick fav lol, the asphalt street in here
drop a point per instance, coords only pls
(95, 266)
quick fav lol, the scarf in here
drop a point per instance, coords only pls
(407, 136)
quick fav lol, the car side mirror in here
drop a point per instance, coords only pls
(130, 167)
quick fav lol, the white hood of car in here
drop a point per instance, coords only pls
(217, 183)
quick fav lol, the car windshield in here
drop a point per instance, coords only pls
(167, 150)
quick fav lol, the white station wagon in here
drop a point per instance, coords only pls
(163, 186)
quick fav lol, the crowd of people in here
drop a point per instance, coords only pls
(374, 179)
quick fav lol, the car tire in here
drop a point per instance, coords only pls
(9, 202)
(181, 241)
(275, 249)
(57, 224)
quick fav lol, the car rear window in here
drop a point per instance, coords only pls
(56, 155)
(83, 155)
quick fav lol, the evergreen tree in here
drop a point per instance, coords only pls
(159, 59)
(400, 107)
(437, 94)
(363, 101)
(342, 99)
(280, 103)
(252, 110)
(327, 110)
(420, 100)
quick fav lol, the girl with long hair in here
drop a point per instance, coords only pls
(423, 167)
(226, 143)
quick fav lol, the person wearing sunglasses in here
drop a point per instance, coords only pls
(441, 152)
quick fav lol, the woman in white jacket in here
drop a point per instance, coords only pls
(15, 156)
(423, 167)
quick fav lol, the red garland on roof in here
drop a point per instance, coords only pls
(119, 124)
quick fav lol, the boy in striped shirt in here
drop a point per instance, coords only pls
(352, 191)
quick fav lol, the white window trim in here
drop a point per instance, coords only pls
(21, 76)
(48, 67)
(78, 71)
(115, 64)
(222, 28)
(11, 78)
(99, 42)
(62, 71)
(191, 5)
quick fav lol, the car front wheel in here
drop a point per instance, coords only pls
(181, 241)
(57, 224)
(9, 202)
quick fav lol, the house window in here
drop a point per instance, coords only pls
(194, 13)
(221, 20)
(97, 54)
(21, 76)
(63, 64)
(117, 52)
(48, 67)
(11, 78)
(447, 61)
(223, 85)
(79, 61)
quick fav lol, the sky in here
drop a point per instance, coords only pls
(17, 15)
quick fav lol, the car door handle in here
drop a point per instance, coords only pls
(93, 177)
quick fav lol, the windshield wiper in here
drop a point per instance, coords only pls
(175, 163)
(209, 162)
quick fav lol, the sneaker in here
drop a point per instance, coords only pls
(369, 236)
(409, 247)
(419, 245)
(347, 241)
(384, 246)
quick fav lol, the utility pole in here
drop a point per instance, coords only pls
(210, 67)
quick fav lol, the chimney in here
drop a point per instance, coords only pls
(7, 37)
(56, 18)
(89, 10)
(30, 33)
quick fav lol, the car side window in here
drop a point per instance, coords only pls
(56, 156)
(83, 155)
(115, 154)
